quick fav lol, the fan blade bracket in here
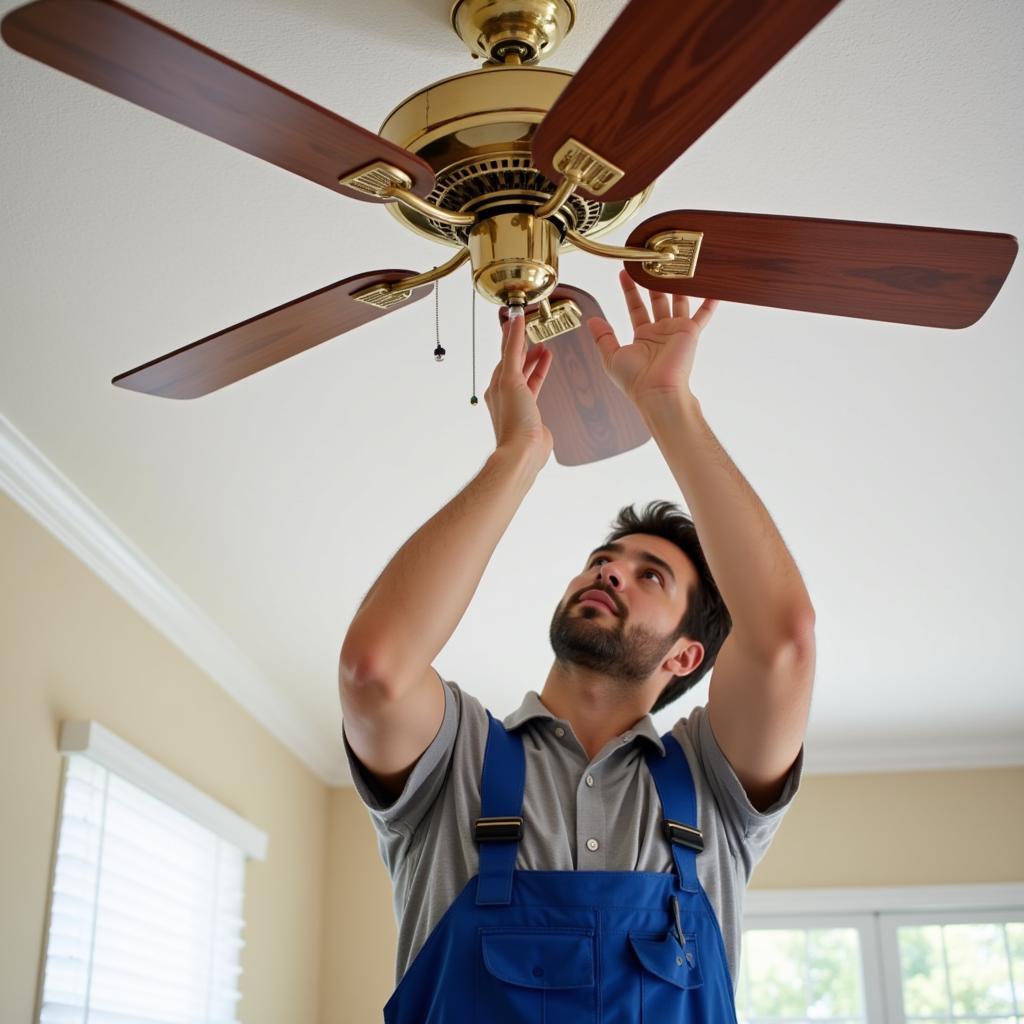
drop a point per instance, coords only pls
(377, 179)
(582, 165)
(382, 296)
(619, 252)
(381, 180)
(683, 245)
(563, 317)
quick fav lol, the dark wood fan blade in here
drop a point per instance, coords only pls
(588, 415)
(122, 51)
(933, 277)
(262, 341)
(663, 74)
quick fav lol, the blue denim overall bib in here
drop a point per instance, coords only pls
(572, 947)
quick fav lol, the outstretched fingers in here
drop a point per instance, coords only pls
(604, 337)
(541, 358)
(704, 314)
(638, 314)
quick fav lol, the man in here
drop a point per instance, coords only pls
(569, 861)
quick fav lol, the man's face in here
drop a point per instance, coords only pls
(647, 579)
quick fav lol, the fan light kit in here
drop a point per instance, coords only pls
(512, 164)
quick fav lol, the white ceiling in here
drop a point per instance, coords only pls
(889, 456)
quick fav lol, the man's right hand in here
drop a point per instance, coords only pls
(511, 396)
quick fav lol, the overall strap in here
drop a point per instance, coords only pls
(500, 826)
(675, 787)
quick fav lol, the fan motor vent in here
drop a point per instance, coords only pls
(508, 178)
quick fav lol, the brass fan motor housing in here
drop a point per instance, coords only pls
(515, 258)
(475, 131)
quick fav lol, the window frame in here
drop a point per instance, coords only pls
(876, 913)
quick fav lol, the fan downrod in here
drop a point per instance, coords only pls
(512, 31)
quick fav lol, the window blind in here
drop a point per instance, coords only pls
(146, 910)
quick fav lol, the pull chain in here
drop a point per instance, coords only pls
(438, 352)
(473, 400)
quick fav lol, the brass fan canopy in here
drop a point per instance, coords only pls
(475, 131)
(496, 29)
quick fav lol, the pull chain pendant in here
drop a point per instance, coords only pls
(472, 320)
(438, 352)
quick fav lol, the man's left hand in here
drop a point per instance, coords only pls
(659, 361)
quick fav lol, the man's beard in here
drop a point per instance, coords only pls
(628, 655)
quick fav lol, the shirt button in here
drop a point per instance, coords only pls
(559, 731)
(592, 845)
(590, 780)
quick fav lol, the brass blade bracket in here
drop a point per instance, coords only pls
(673, 253)
(593, 171)
(683, 245)
(385, 181)
(565, 189)
(560, 318)
(384, 296)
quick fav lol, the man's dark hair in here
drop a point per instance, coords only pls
(706, 618)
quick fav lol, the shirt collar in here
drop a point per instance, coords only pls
(532, 707)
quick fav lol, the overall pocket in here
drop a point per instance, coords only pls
(535, 975)
(669, 973)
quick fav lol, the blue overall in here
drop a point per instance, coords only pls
(572, 947)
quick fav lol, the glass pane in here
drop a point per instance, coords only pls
(1015, 935)
(979, 971)
(834, 973)
(921, 966)
(776, 972)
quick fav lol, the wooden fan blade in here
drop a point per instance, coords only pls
(262, 341)
(588, 415)
(662, 75)
(933, 277)
(132, 56)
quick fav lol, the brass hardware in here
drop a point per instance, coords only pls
(545, 309)
(475, 130)
(558, 200)
(684, 245)
(617, 252)
(596, 174)
(386, 182)
(384, 296)
(376, 179)
(528, 30)
(563, 317)
(514, 254)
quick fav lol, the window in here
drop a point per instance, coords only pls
(145, 914)
(942, 955)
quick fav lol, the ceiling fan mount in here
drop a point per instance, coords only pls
(521, 31)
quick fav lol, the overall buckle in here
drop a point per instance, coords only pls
(488, 830)
(683, 835)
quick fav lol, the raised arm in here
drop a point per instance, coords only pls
(760, 692)
(392, 700)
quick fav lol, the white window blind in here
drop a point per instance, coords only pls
(146, 905)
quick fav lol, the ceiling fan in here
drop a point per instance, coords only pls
(512, 163)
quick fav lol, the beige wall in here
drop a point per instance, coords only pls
(70, 647)
(320, 928)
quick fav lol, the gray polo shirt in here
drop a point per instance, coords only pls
(425, 837)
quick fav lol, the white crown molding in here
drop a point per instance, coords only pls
(893, 754)
(53, 501)
(899, 899)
